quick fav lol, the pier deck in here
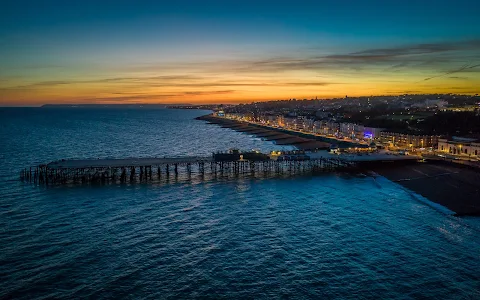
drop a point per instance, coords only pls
(158, 169)
(161, 168)
(125, 162)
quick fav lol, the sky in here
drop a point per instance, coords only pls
(234, 51)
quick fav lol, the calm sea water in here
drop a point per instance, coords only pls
(331, 236)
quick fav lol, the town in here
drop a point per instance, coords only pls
(444, 125)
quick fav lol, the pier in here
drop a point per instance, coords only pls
(131, 170)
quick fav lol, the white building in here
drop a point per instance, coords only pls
(460, 146)
(317, 127)
(308, 125)
(328, 128)
(351, 130)
(290, 123)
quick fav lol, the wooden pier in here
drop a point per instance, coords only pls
(165, 169)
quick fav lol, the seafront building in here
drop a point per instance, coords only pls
(460, 146)
(408, 141)
(328, 128)
(341, 130)
(357, 131)
(372, 133)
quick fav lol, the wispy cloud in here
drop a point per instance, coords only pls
(203, 93)
(372, 70)
(427, 57)
(432, 56)
(184, 81)
(42, 84)
(418, 49)
(161, 96)
(461, 69)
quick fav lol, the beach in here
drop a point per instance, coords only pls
(279, 136)
(454, 186)
(450, 185)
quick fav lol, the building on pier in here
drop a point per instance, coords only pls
(236, 155)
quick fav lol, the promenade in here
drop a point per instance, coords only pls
(281, 136)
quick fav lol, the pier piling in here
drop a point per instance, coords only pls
(142, 170)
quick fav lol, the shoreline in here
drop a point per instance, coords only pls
(445, 186)
(234, 124)
(278, 136)
(451, 186)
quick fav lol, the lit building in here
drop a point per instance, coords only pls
(408, 140)
(460, 146)
(328, 128)
(268, 120)
(234, 116)
(308, 125)
(372, 133)
(317, 127)
(290, 123)
(351, 130)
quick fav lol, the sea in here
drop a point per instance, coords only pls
(331, 236)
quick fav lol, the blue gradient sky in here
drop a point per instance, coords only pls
(219, 51)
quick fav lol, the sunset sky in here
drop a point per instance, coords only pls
(234, 51)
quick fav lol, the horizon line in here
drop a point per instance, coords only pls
(230, 102)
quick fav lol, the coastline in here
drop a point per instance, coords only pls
(278, 136)
(452, 186)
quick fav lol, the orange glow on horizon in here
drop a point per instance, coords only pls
(84, 93)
